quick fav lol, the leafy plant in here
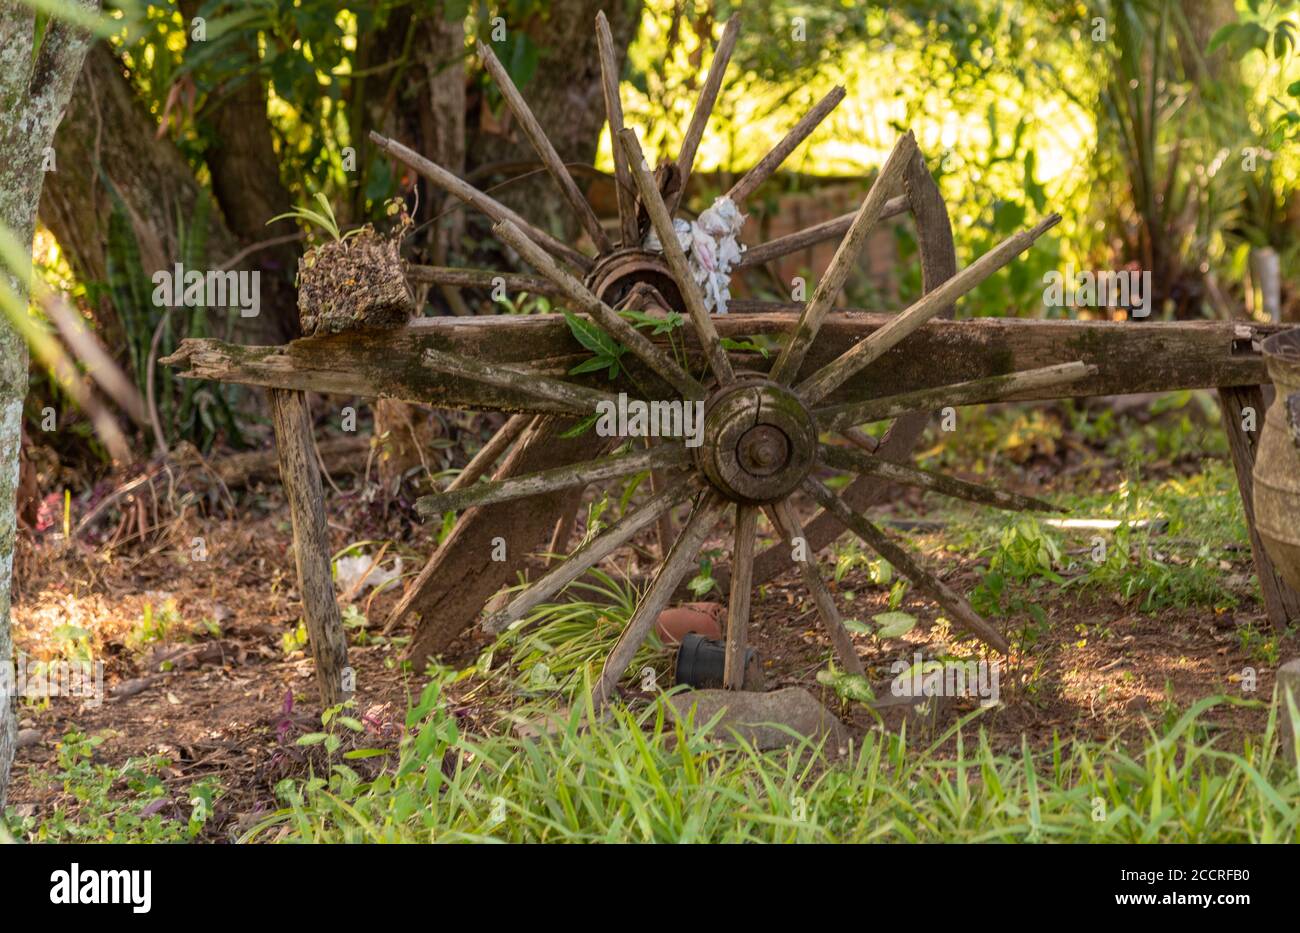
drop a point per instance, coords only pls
(324, 218)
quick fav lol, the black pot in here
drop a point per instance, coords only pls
(701, 662)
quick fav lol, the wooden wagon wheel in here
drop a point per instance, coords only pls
(761, 431)
(624, 272)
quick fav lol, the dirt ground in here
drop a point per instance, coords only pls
(199, 670)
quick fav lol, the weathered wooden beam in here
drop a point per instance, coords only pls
(300, 476)
(1129, 356)
(762, 171)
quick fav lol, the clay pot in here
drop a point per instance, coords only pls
(1277, 462)
(707, 619)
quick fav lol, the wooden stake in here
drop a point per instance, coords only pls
(842, 458)
(742, 559)
(787, 523)
(761, 172)
(614, 113)
(973, 392)
(601, 313)
(960, 611)
(828, 289)
(679, 562)
(690, 289)
(545, 151)
(811, 236)
(833, 374)
(704, 107)
(300, 475)
(478, 200)
(553, 480)
(589, 555)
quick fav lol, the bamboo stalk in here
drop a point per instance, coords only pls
(589, 555)
(481, 278)
(811, 236)
(676, 565)
(787, 523)
(601, 313)
(841, 458)
(614, 114)
(553, 480)
(681, 269)
(478, 200)
(972, 392)
(487, 455)
(846, 257)
(781, 151)
(833, 374)
(579, 400)
(742, 575)
(960, 611)
(704, 107)
(545, 151)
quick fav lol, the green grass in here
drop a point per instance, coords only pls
(642, 777)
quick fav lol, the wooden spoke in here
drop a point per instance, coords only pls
(553, 480)
(576, 399)
(681, 269)
(590, 554)
(973, 392)
(960, 611)
(545, 151)
(860, 439)
(787, 523)
(704, 107)
(601, 313)
(679, 562)
(818, 233)
(833, 374)
(488, 454)
(614, 113)
(846, 257)
(742, 560)
(481, 278)
(761, 172)
(842, 458)
(478, 200)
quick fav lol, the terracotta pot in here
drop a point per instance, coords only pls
(707, 619)
(1277, 461)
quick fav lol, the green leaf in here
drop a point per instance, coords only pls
(893, 624)
(857, 626)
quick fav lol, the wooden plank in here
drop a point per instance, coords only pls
(1130, 356)
(1280, 601)
(446, 596)
(300, 476)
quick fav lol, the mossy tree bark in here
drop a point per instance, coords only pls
(35, 84)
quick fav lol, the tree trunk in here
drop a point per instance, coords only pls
(565, 95)
(109, 138)
(32, 101)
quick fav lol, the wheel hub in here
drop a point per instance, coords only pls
(617, 273)
(759, 440)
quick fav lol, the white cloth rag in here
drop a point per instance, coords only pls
(712, 248)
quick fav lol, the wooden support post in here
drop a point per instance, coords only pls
(300, 476)
(1244, 406)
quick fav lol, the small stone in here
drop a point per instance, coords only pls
(758, 717)
(27, 738)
